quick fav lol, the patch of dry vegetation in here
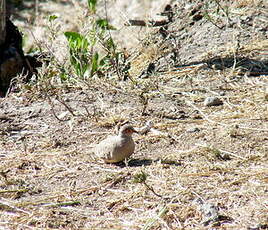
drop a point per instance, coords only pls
(49, 178)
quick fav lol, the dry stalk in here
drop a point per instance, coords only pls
(66, 106)
(53, 110)
(204, 115)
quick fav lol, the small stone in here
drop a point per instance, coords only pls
(212, 101)
(193, 130)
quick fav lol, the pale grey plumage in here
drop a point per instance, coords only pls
(114, 149)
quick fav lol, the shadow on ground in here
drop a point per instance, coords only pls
(249, 66)
(148, 162)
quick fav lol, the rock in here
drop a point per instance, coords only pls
(212, 101)
(193, 130)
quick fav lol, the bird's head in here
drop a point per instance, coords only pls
(127, 130)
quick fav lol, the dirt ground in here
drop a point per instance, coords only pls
(203, 167)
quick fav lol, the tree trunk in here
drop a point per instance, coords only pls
(12, 60)
(2, 21)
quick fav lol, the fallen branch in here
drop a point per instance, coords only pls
(147, 24)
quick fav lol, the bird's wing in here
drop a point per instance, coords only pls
(107, 145)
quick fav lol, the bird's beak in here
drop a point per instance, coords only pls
(134, 131)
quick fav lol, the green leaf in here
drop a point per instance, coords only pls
(76, 41)
(140, 177)
(52, 18)
(92, 5)
(94, 63)
(110, 44)
(102, 62)
(78, 48)
(103, 24)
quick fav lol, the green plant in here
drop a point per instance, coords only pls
(78, 48)
(92, 5)
(140, 177)
(53, 26)
(95, 52)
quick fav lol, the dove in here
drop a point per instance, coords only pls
(117, 148)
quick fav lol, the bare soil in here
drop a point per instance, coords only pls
(50, 179)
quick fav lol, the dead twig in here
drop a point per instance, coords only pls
(53, 111)
(66, 106)
(147, 24)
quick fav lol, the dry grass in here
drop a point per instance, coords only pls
(247, 3)
(53, 182)
(49, 179)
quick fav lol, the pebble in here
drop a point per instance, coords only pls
(212, 101)
(193, 130)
